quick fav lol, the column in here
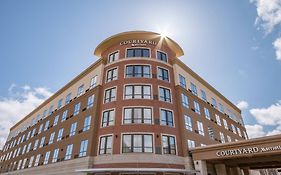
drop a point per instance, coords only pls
(201, 166)
(220, 169)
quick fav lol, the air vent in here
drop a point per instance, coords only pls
(84, 109)
(156, 121)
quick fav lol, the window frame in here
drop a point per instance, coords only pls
(134, 48)
(143, 73)
(162, 53)
(132, 114)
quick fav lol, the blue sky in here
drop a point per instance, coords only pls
(44, 44)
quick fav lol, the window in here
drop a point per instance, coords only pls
(211, 133)
(68, 152)
(19, 165)
(105, 145)
(207, 113)
(80, 90)
(138, 53)
(137, 91)
(166, 118)
(76, 108)
(110, 95)
(200, 128)
(59, 103)
(184, 100)
(222, 137)
(33, 132)
(52, 136)
(228, 138)
(46, 159)
(188, 123)
(23, 149)
(87, 123)
(137, 115)
(196, 107)
(203, 95)
(30, 161)
(55, 155)
(162, 74)
(218, 119)
(56, 120)
(113, 57)
(83, 148)
(168, 144)
(182, 81)
(90, 101)
(193, 89)
(50, 110)
(93, 82)
(27, 137)
(35, 144)
(225, 124)
(60, 134)
(108, 118)
(164, 94)
(28, 147)
(44, 114)
(111, 75)
(190, 143)
(73, 129)
(64, 115)
(162, 56)
(221, 107)
(214, 102)
(46, 125)
(42, 142)
(239, 132)
(68, 98)
(136, 143)
(37, 160)
(137, 71)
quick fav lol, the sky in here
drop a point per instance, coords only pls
(233, 45)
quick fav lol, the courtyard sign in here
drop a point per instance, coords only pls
(248, 150)
(138, 42)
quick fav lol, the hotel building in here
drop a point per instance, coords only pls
(137, 109)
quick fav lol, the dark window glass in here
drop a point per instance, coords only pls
(137, 143)
(162, 56)
(138, 53)
(138, 71)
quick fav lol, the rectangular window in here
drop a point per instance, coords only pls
(137, 115)
(222, 137)
(233, 128)
(164, 94)
(196, 107)
(203, 95)
(162, 56)
(166, 118)
(59, 103)
(239, 132)
(80, 90)
(108, 118)
(221, 107)
(42, 142)
(110, 95)
(168, 144)
(30, 161)
(190, 143)
(55, 155)
(137, 92)
(93, 82)
(76, 108)
(200, 128)
(137, 143)
(184, 100)
(56, 120)
(138, 53)
(87, 123)
(182, 81)
(33, 132)
(113, 57)
(68, 98)
(28, 147)
(218, 119)
(214, 102)
(207, 113)
(90, 102)
(52, 136)
(35, 144)
(60, 133)
(188, 123)
(50, 110)
(137, 71)
(46, 159)
(162, 74)
(68, 152)
(111, 75)
(105, 145)
(211, 133)
(193, 89)
(46, 125)
(19, 165)
(37, 160)
(44, 114)
(64, 115)
(225, 124)
(83, 148)
(228, 138)
(27, 137)
(73, 129)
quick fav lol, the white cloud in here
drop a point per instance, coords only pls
(269, 13)
(277, 46)
(268, 116)
(242, 104)
(19, 103)
(255, 131)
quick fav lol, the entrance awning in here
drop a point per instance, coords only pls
(135, 170)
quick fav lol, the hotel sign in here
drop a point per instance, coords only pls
(248, 150)
(138, 42)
